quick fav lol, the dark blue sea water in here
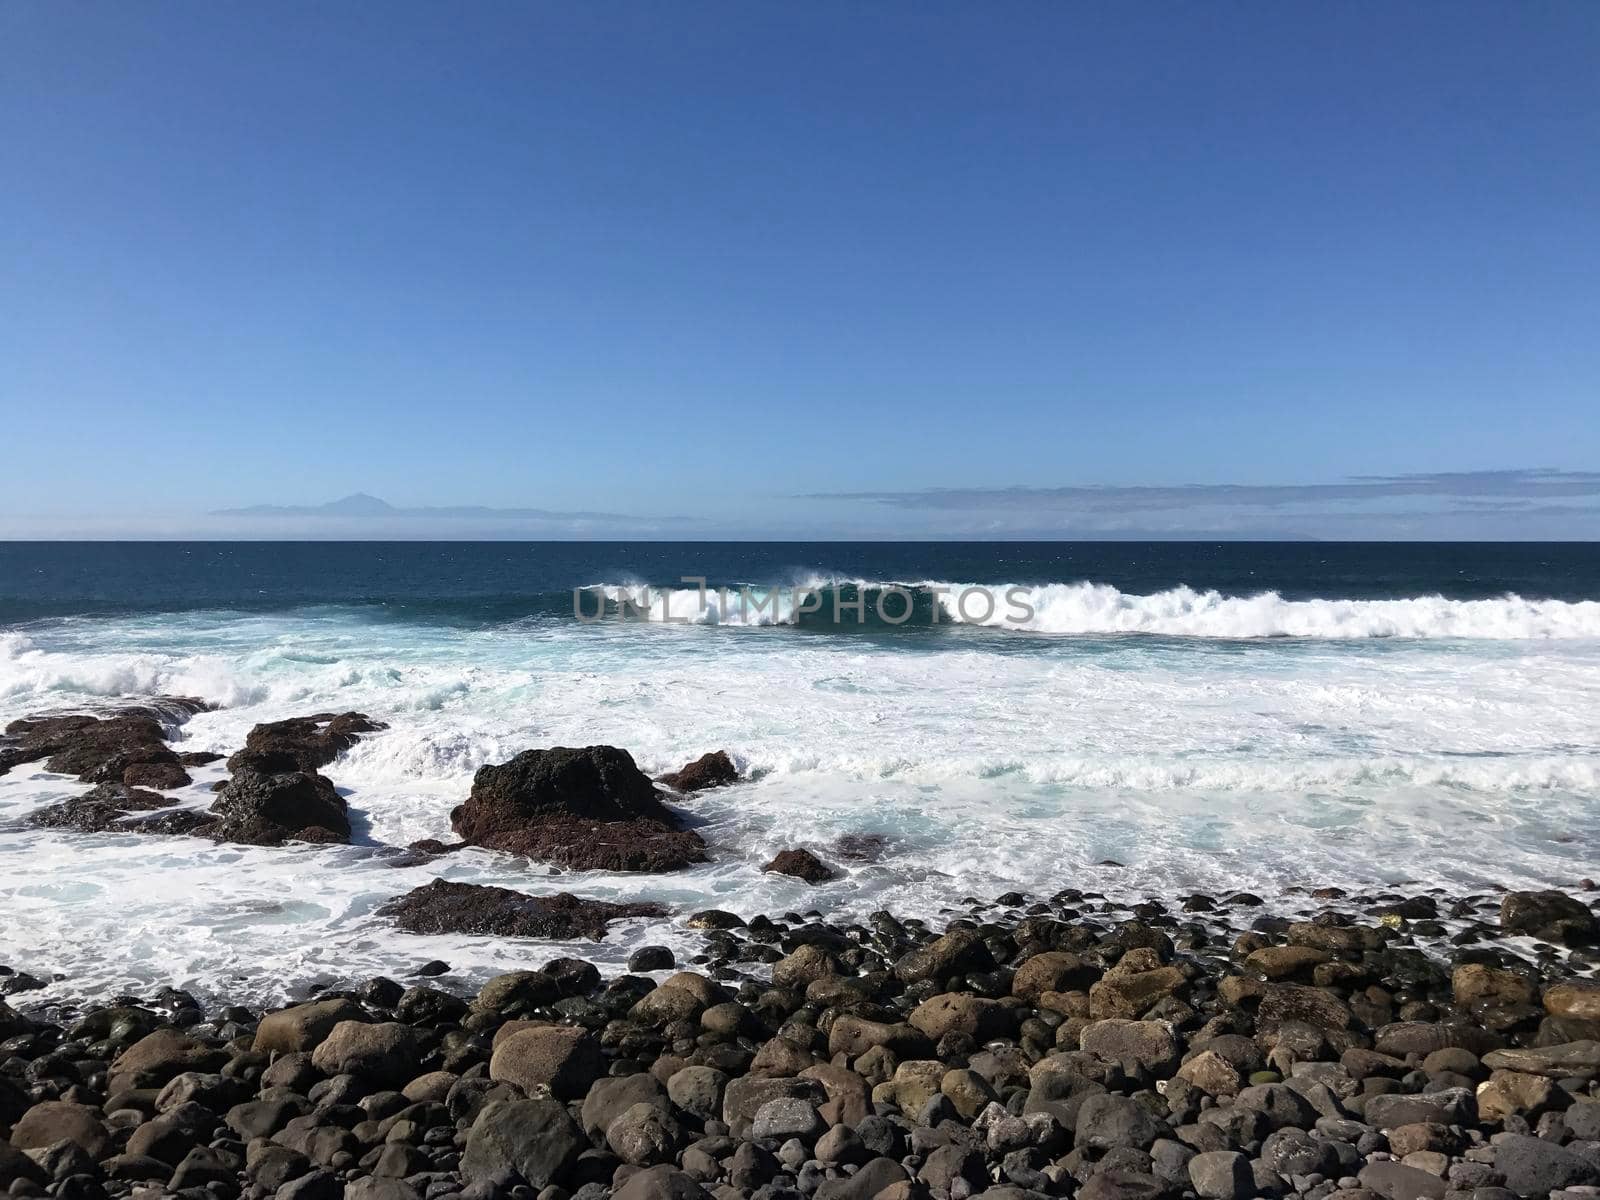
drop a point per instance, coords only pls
(496, 581)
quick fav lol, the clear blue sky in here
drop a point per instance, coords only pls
(697, 260)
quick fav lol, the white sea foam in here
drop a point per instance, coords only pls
(743, 605)
(989, 762)
(1100, 609)
(1096, 608)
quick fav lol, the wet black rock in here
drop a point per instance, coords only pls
(261, 809)
(1553, 916)
(103, 746)
(99, 810)
(482, 911)
(587, 809)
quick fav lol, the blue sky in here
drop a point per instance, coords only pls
(800, 269)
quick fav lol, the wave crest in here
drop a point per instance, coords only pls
(1097, 609)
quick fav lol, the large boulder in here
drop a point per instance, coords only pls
(804, 966)
(958, 951)
(384, 1054)
(303, 1026)
(853, 1035)
(1563, 1061)
(742, 1098)
(1575, 1006)
(259, 809)
(563, 1058)
(608, 1098)
(1476, 986)
(1135, 985)
(534, 1138)
(1553, 916)
(1221, 1175)
(696, 1090)
(958, 1012)
(1147, 1044)
(1052, 971)
(1110, 1121)
(155, 1059)
(664, 1182)
(1535, 1167)
(1453, 1106)
(479, 910)
(589, 808)
(517, 992)
(644, 1135)
(52, 1121)
(1397, 1181)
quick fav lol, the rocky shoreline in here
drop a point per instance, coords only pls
(1062, 1046)
(1320, 1043)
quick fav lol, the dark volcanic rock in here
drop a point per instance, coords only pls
(158, 775)
(802, 864)
(1554, 916)
(847, 1062)
(469, 908)
(708, 771)
(301, 743)
(862, 847)
(267, 810)
(99, 748)
(531, 1139)
(104, 808)
(587, 809)
(599, 783)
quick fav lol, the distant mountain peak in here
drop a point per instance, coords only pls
(362, 505)
(358, 504)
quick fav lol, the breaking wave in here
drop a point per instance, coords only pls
(1091, 609)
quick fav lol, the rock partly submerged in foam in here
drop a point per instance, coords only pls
(708, 771)
(256, 808)
(116, 807)
(118, 744)
(301, 743)
(477, 910)
(272, 796)
(801, 864)
(586, 808)
(589, 808)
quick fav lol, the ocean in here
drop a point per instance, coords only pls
(1133, 718)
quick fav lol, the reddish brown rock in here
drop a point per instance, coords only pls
(162, 776)
(99, 747)
(802, 864)
(587, 809)
(301, 743)
(708, 771)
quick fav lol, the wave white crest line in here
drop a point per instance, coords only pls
(1098, 608)
(1185, 612)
